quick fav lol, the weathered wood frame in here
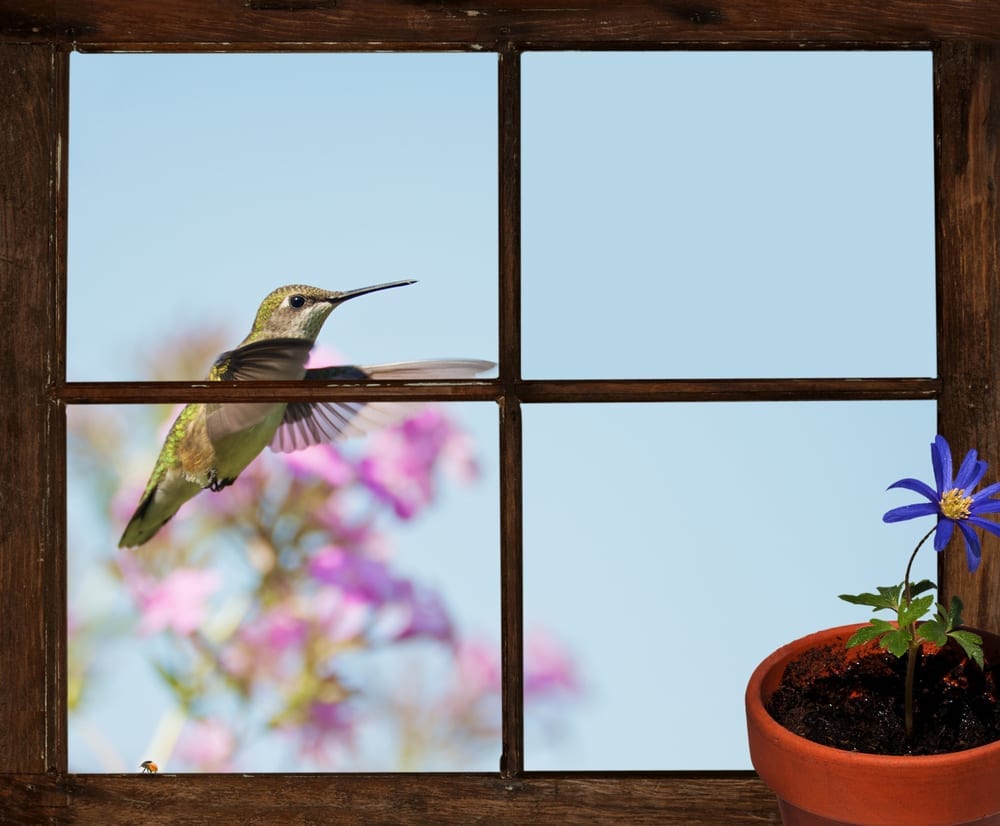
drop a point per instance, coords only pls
(36, 37)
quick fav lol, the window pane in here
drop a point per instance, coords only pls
(672, 547)
(728, 214)
(331, 610)
(199, 183)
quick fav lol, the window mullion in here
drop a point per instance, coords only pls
(511, 503)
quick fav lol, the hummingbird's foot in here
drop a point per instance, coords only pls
(216, 484)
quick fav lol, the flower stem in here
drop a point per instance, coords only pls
(909, 565)
(911, 671)
(914, 650)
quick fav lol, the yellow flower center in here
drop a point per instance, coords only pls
(955, 504)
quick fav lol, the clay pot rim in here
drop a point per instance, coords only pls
(773, 730)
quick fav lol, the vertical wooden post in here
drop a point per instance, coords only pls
(967, 125)
(33, 107)
(511, 540)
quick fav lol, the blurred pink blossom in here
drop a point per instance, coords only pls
(366, 579)
(207, 745)
(327, 730)
(399, 469)
(548, 667)
(339, 617)
(323, 356)
(272, 644)
(477, 666)
(124, 502)
(320, 462)
(357, 536)
(458, 457)
(177, 603)
(423, 614)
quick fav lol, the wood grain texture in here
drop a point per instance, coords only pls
(511, 476)
(670, 799)
(967, 113)
(540, 391)
(33, 785)
(361, 24)
(32, 572)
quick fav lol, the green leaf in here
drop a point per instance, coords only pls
(896, 642)
(878, 602)
(972, 645)
(921, 587)
(917, 609)
(864, 634)
(954, 615)
(892, 595)
(934, 631)
(875, 629)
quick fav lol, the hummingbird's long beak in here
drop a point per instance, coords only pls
(339, 298)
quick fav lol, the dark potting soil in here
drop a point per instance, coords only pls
(859, 706)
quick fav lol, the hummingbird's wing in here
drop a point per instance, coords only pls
(311, 423)
(275, 359)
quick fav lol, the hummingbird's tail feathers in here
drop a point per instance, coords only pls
(431, 369)
(439, 369)
(312, 423)
(141, 527)
(156, 508)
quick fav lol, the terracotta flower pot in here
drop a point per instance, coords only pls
(823, 786)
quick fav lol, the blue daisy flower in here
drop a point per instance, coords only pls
(953, 500)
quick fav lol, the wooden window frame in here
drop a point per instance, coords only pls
(36, 39)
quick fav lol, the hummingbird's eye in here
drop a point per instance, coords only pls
(296, 301)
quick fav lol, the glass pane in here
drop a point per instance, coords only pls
(333, 609)
(199, 183)
(728, 214)
(670, 548)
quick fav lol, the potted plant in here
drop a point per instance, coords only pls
(890, 723)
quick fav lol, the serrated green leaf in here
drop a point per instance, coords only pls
(933, 631)
(921, 587)
(917, 609)
(955, 612)
(865, 634)
(896, 642)
(893, 594)
(972, 645)
(875, 601)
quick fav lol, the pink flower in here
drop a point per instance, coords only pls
(365, 579)
(124, 502)
(473, 698)
(279, 629)
(320, 462)
(548, 668)
(423, 614)
(458, 457)
(323, 356)
(207, 745)
(176, 603)
(327, 730)
(273, 644)
(400, 468)
(339, 617)
(477, 665)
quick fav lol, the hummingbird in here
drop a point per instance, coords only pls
(209, 444)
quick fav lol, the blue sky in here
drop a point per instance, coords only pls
(685, 214)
